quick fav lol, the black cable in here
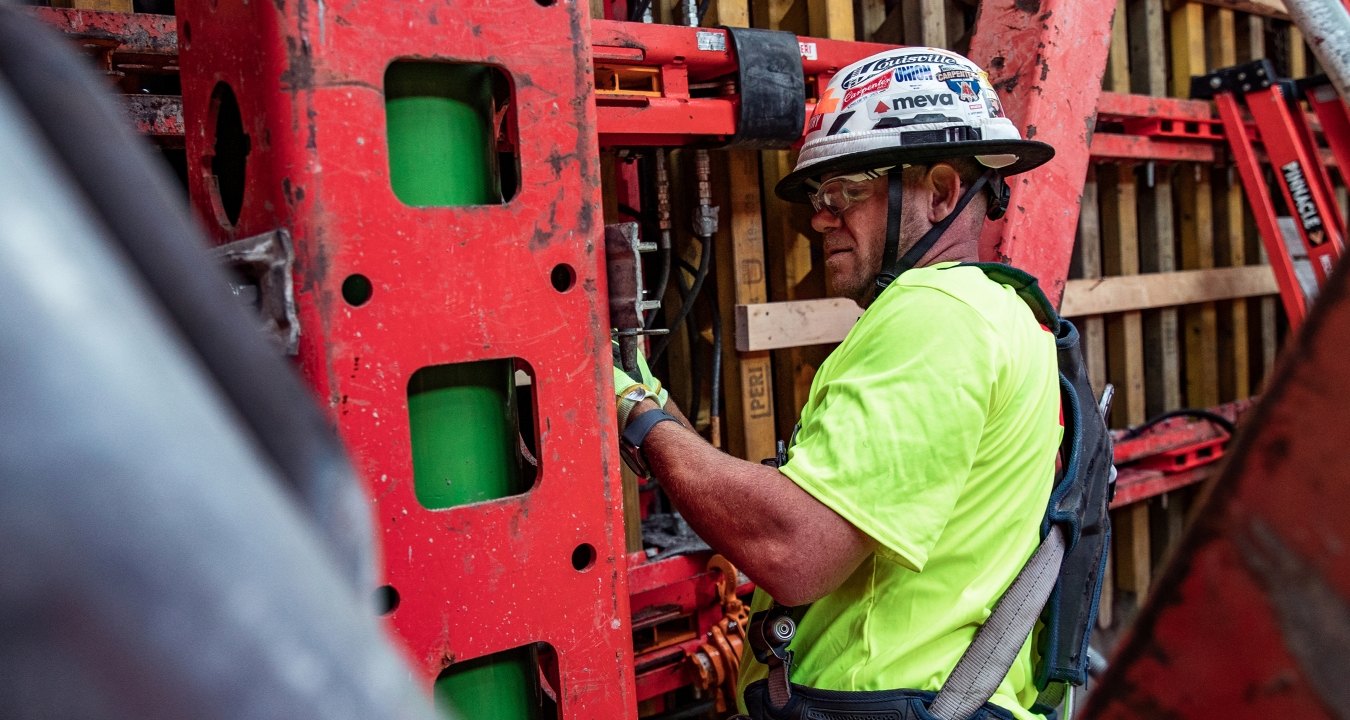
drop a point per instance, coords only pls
(687, 300)
(1213, 417)
(695, 377)
(714, 402)
(636, 12)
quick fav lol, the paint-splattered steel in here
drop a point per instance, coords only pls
(1046, 58)
(1252, 619)
(447, 285)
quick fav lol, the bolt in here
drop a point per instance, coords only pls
(1215, 82)
(784, 629)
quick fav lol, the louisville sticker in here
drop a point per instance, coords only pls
(866, 70)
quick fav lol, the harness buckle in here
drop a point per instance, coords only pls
(771, 631)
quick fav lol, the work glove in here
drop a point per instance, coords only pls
(629, 390)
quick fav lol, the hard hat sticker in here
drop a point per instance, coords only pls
(881, 82)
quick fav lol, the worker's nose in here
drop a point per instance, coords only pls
(824, 220)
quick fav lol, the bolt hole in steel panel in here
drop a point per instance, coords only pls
(386, 599)
(230, 156)
(448, 126)
(583, 557)
(563, 277)
(357, 289)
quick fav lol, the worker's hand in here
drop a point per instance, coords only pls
(631, 389)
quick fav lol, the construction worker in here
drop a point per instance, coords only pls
(917, 478)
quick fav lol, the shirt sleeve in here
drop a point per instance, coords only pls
(890, 434)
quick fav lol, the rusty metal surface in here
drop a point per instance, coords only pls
(1046, 58)
(157, 116)
(1252, 618)
(448, 285)
(126, 33)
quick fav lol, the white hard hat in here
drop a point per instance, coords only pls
(909, 106)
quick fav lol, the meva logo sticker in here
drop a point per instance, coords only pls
(1303, 202)
(916, 101)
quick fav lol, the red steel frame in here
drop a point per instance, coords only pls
(1283, 130)
(289, 187)
(450, 285)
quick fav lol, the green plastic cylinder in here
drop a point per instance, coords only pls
(478, 689)
(462, 418)
(441, 143)
(464, 436)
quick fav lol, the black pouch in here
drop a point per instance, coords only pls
(808, 703)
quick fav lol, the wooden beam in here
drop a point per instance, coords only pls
(1146, 23)
(1234, 345)
(925, 22)
(749, 423)
(1195, 203)
(789, 247)
(748, 377)
(1267, 8)
(1117, 78)
(1134, 569)
(1157, 238)
(1265, 324)
(1089, 249)
(1155, 290)
(827, 19)
(1120, 249)
(770, 326)
(871, 16)
(1124, 333)
(103, 5)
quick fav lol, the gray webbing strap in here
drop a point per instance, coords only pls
(780, 691)
(986, 662)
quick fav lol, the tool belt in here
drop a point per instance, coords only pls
(808, 703)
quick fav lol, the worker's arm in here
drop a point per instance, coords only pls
(787, 542)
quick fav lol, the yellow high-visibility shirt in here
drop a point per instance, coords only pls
(933, 428)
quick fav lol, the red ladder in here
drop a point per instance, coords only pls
(1280, 124)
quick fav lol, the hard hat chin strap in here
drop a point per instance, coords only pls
(892, 268)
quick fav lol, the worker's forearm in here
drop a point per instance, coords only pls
(782, 538)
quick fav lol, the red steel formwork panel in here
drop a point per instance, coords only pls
(450, 285)
(1046, 58)
(1252, 618)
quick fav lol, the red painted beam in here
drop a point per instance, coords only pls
(1046, 58)
(1138, 148)
(130, 33)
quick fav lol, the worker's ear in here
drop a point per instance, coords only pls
(945, 185)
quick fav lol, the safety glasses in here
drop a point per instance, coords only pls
(841, 192)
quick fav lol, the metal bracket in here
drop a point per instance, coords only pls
(261, 277)
(1238, 79)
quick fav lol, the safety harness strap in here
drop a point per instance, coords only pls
(996, 645)
(892, 268)
(771, 631)
(894, 208)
